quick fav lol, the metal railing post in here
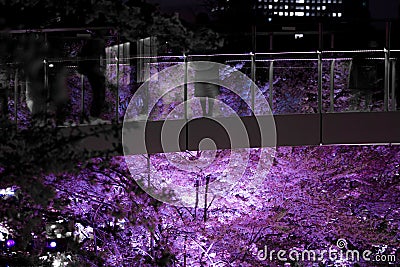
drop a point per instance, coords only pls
(185, 87)
(319, 82)
(16, 82)
(271, 85)
(393, 85)
(253, 78)
(46, 79)
(82, 97)
(332, 86)
(117, 84)
(386, 81)
(46, 87)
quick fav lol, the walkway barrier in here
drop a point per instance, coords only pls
(303, 89)
(293, 82)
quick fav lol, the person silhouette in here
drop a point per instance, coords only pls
(90, 66)
(206, 71)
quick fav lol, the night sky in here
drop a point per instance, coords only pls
(384, 8)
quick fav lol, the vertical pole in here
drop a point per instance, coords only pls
(332, 86)
(185, 81)
(46, 78)
(332, 40)
(319, 82)
(205, 198)
(82, 97)
(117, 85)
(393, 85)
(197, 185)
(185, 99)
(320, 47)
(271, 85)
(16, 82)
(184, 255)
(253, 78)
(320, 95)
(253, 64)
(387, 66)
(386, 81)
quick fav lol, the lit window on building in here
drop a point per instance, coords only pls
(323, 7)
(318, 8)
(286, 7)
(286, 14)
(280, 13)
(291, 14)
(334, 15)
(300, 1)
(299, 14)
(270, 6)
(339, 15)
(307, 7)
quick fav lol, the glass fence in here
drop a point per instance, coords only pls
(73, 89)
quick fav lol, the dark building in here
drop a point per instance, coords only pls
(297, 24)
(295, 9)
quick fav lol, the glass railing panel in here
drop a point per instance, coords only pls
(237, 94)
(359, 80)
(294, 85)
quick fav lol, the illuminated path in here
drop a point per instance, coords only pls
(348, 128)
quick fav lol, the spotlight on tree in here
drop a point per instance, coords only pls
(52, 244)
(10, 243)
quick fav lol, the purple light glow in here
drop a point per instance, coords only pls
(52, 244)
(10, 243)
